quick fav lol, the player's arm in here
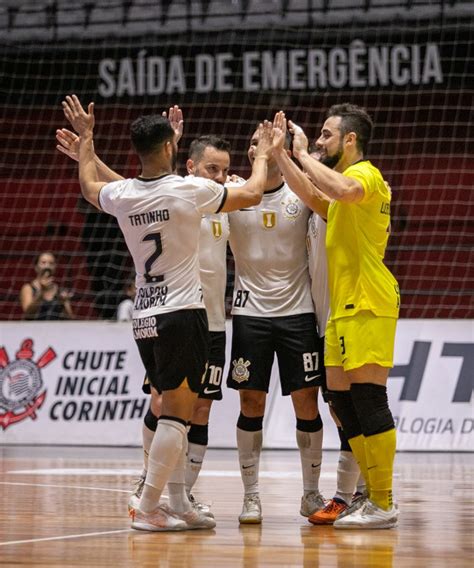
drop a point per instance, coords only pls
(83, 123)
(68, 143)
(331, 183)
(251, 192)
(299, 183)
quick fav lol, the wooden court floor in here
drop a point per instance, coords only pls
(68, 507)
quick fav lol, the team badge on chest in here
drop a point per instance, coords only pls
(291, 208)
(240, 372)
(217, 229)
(268, 219)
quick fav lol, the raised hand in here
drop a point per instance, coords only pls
(80, 120)
(175, 116)
(279, 130)
(300, 140)
(265, 136)
(68, 143)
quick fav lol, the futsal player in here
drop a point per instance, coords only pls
(364, 295)
(160, 216)
(209, 157)
(273, 313)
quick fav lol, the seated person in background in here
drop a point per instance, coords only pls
(42, 299)
(125, 308)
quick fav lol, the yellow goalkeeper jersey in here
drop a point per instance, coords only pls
(356, 239)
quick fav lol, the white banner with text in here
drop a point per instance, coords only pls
(79, 383)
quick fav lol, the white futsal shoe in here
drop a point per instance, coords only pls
(160, 519)
(134, 498)
(200, 507)
(197, 520)
(251, 510)
(357, 502)
(369, 516)
(311, 502)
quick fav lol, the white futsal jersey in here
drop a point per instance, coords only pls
(160, 220)
(213, 267)
(271, 262)
(318, 270)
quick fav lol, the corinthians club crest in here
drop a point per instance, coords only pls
(240, 372)
(21, 387)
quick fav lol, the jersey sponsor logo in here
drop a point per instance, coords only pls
(268, 219)
(143, 328)
(217, 230)
(292, 209)
(150, 296)
(240, 372)
(22, 391)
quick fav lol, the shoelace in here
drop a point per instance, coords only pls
(333, 506)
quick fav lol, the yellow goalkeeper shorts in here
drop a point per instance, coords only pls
(361, 339)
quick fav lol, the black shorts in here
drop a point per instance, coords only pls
(212, 386)
(294, 339)
(146, 386)
(173, 347)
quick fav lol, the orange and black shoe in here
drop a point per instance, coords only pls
(329, 514)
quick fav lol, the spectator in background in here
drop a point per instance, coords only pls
(125, 308)
(42, 298)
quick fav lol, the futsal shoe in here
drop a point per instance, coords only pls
(311, 502)
(251, 510)
(134, 498)
(197, 520)
(369, 516)
(329, 513)
(200, 507)
(357, 501)
(160, 519)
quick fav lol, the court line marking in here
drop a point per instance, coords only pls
(128, 472)
(69, 536)
(65, 486)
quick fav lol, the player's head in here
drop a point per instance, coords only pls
(153, 134)
(45, 261)
(209, 157)
(347, 130)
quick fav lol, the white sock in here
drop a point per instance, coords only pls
(361, 486)
(310, 445)
(195, 457)
(347, 475)
(179, 501)
(147, 437)
(165, 451)
(249, 445)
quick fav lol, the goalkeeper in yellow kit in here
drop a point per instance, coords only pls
(348, 191)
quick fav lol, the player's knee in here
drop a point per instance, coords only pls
(155, 403)
(309, 425)
(305, 402)
(201, 412)
(250, 423)
(343, 407)
(252, 403)
(151, 421)
(371, 404)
